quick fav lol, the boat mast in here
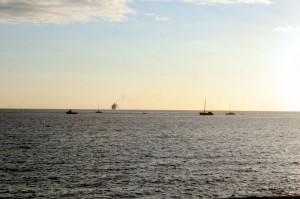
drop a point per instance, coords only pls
(205, 105)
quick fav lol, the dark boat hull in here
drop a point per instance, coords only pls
(206, 113)
(70, 112)
(230, 113)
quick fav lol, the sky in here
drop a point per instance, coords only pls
(150, 54)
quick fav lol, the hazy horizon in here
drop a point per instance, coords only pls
(166, 110)
(150, 54)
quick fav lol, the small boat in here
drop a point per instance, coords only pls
(229, 112)
(204, 112)
(71, 112)
(98, 111)
(144, 113)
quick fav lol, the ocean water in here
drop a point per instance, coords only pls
(127, 154)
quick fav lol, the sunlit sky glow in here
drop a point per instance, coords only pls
(150, 54)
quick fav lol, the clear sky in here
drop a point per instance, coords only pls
(150, 54)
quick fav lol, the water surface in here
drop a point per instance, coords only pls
(127, 154)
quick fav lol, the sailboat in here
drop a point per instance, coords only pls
(229, 112)
(204, 112)
(98, 111)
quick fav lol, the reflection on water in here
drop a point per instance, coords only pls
(159, 154)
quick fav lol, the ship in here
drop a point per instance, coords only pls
(71, 112)
(205, 112)
(114, 106)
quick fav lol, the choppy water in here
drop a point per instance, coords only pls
(126, 154)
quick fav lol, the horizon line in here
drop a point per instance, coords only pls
(90, 109)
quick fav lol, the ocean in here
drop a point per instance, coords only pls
(161, 154)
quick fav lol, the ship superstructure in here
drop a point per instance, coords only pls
(114, 106)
